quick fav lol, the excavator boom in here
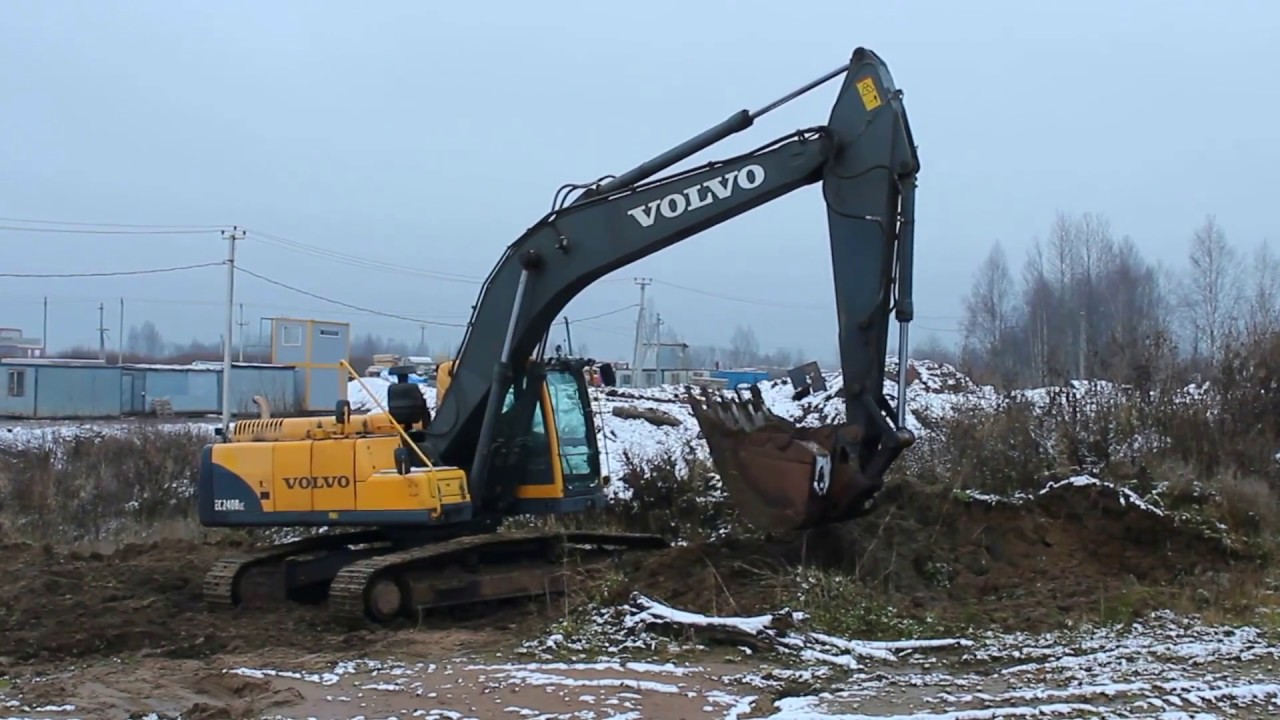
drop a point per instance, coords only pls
(865, 159)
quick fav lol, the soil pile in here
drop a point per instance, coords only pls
(1073, 553)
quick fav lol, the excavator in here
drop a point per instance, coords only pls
(408, 506)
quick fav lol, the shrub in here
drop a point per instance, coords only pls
(100, 485)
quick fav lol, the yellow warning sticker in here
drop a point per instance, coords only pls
(870, 95)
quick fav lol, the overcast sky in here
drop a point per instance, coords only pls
(432, 134)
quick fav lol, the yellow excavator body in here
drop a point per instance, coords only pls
(342, 468)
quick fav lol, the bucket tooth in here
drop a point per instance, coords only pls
(781, 477)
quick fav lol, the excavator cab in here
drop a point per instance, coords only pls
(545, 455)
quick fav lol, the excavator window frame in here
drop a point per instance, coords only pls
(565, 397)
(574, 394)
(579, 466)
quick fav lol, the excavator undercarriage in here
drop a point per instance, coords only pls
(365, 575)
(513, 434)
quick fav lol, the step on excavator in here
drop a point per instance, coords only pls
(410, 504)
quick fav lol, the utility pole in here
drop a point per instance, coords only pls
(635, 354)
(422, 339)
(235, 234)
(102, 332)
(240, 332)
(1080, 363)
(568, 339)
(44, 331)
(657, 348)
(120, 340)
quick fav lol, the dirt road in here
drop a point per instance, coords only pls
(1164, 669)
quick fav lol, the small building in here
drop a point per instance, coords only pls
(60, 389)
(196, 389)
(83, 389)
(182, 389)
(316, 348)
(14, 345)
(279, 385)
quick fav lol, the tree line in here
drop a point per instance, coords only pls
(1086, 304)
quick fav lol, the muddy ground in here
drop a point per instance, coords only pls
(130, 620)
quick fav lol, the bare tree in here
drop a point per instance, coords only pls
(988, 314)
(145, 340)
(932, 347)
(1211, 289)
(1262, 316)
(1132, 313)
(744, 349)
(1039, 302)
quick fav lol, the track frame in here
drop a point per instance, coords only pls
(372, 576)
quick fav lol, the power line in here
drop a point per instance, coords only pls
(771, 303)
(274, 307)
(597, 328)
(722, 296)
(605, 314)
(116, 273)
(314, 251)
(115, 225)
(85, 231)
(308, 293)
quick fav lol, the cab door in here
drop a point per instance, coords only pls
(522, 458)
(577, 459)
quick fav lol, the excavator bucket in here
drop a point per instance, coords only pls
(781, 477)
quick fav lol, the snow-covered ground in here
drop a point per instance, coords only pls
(938, 392)
(1162, 668)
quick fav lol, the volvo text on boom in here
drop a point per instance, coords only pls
(700, 195)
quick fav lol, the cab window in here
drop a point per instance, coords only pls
(571, 424)
(539, 426)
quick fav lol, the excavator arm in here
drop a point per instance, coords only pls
(866, 162)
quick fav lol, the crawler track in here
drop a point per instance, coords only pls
(475, 569)
(255, 578)
(382, 581)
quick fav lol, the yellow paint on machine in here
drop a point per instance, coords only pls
(334, 463)
(331, 464)
(339, 475)
(870, 94)
(245, 461)
(291, 459)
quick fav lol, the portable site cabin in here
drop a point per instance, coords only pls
(316, 348)
(196, 389)
(59, 389)
(83, 389)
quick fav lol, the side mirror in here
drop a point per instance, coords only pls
(342, 412)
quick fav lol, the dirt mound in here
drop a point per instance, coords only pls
(1075, 552)
(141, 598)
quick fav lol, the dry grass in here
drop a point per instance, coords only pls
(102, 488)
